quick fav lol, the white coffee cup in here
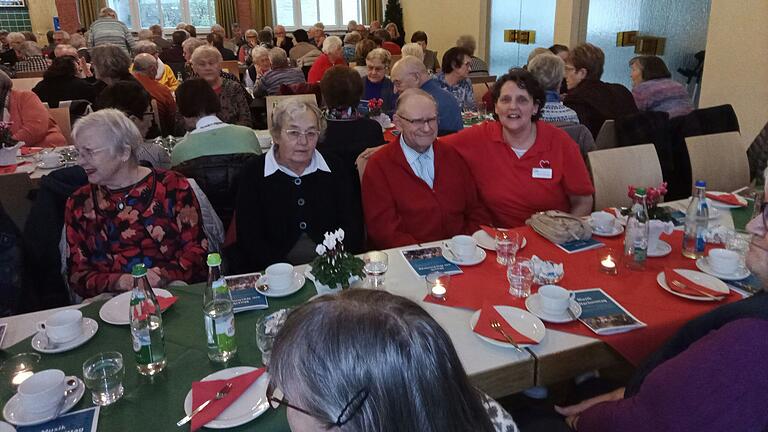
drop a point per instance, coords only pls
(279, 276)
(723, 261)
(463, 246)
(50, 158)
(62, 326)
(554, 299)
(42, 394)
(603, 221)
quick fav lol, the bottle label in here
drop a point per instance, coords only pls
(221, 332)
(142, 343)
(640, 254)
(219, 286)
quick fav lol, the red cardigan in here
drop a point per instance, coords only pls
(31, 123)
(322, 64)
(401, 209)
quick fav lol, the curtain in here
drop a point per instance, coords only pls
(88, 11)
(226, 14)
(372, 10)
(261, 14)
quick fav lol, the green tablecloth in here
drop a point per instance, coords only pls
(156, 404)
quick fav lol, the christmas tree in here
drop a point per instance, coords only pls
(394, 14)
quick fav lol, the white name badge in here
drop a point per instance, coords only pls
(542, 173)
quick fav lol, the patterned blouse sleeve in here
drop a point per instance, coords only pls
(241, 105)
(188, 263)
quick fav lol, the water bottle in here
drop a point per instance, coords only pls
(696, 220)
(146, 325)
(218, 313)
(636, 235)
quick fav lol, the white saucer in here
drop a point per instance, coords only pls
(721, 204)
(5, 427)
(13, 414)
(298, 283)
(617, 229)
(117, 310)
(521, 320)
(45, 166)
(533, 304)
(700, 278)
(703, 265)
(454, 259)
(251, 404)
(662, 249)
(487, 242)
(39, 342)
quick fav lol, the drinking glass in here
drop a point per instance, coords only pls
(18, 368)
(267, 328)
(520, 277)
(507, 245)
(739, 243)
(376, 264)
(103, 375)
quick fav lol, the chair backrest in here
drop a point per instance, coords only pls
(606, 138)
(395, 58)
(14, 189)
(25, 83)
(613, 170)
(30, 74)
(479, 90)
(231, 66)
(61, 117)
(272, 102)
(582, 136)
(155, 112)
(720, 159)
(483, 79)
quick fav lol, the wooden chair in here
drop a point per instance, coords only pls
(613, 170)
(606, 138)
(396, 58)
(272, 102)
(231, 66)
(485, 79)
(31, 74)
(720, 159)
(14, 189)
(25, 83)
(61, 117)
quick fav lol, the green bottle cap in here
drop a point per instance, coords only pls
(214, 259)
(640, 191)
(139, 270)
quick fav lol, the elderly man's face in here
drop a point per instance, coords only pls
(757, 256)
(262, 63)
(279, 32)
(376, 70)
(59, 39)
(15, 44)
(404, 80)
(417, 120)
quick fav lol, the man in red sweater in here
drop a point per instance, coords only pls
(415, 189)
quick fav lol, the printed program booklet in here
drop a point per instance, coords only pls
(426, 260)
(79, 421)
(245, 296)
(574, 246)
(604, 315)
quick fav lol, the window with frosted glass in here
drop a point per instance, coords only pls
(202, 12)
(149, 12)
(305, 13)
(123, 9)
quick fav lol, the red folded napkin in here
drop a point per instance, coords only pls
(691, 287)
(727, 198)
(204, 390)
(10, 169)
(166, 302)
(491, 231)
(26, 151)
(483, 326)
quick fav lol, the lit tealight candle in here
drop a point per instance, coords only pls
(438, 291)
(21, 376)
(608, 263)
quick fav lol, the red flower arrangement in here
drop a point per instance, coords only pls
(653, 195)
(374, 106)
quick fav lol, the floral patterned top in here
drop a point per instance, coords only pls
(462, 91)
(160, 225)
(235, 103)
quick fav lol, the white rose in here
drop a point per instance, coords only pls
(329, 243)
(320, 249)
(340, 234)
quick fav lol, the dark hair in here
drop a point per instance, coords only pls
(419, 36)
(126, 96)
(178, 37)
(557, 49)
(453, 58)
(525, 81)
(383, 35)
(362, 49)
(265, 37)
(333, 347)
(191, 30)
(589, 57)
(28, 35)
(342, 87)
(61, 67)
(196, 98)
(300, 35)
(216, 40)
(49, 36)
(376, 40)
(651, 67)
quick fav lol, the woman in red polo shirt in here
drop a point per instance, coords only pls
(521, 165)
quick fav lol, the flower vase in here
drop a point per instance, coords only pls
(322, 289)
(8, 154)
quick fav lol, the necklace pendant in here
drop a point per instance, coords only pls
(120, 206)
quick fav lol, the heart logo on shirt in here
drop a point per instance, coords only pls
(545, 164)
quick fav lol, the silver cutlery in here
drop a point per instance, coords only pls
(497, 326)
(219, 395)
(702, 292)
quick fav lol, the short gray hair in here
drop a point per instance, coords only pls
(110, 61)
(380, 54)
(145, 35)
(206, 51)
(413, 49)
(191, 44)
(64, 49)
(332, 43)
(15, 36)
(29, 49)
(145, 46)
(352, 37)
(287, 109)
(144, 62)
(107, 12)
(77, 40)
(217, 28)
(548, 69)
(278, 58)
(259, 51)
(114, 126)
(467, 42)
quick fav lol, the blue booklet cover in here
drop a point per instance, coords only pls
(245, 296)
(79, 421)
(751, 284)
(429, 259)
(574, 246)
(602, 314)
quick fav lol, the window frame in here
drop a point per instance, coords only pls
(337, 9)
(136, 16)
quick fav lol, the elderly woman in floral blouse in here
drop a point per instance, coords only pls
(128, 214)
(454, 77)
(235, 101)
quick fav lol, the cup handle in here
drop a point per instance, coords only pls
(71, 383)
(40, 326)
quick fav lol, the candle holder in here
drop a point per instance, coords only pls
(609, 261)
(18, 368)
(437, 285)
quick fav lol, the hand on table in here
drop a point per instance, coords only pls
(572, 412)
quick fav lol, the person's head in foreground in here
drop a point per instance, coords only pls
(757, 256)
(366, 360)
(585, 62)
(518, 98)
(416, 118)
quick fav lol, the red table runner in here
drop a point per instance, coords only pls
(638, 292)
